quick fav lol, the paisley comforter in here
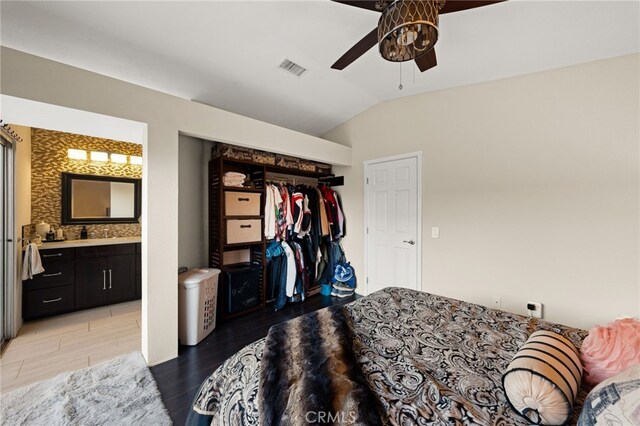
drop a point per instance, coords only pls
(426, 359)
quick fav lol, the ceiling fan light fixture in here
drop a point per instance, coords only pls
(408, 28)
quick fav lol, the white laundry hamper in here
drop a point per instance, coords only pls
(197, 299)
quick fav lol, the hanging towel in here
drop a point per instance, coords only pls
(32, 264)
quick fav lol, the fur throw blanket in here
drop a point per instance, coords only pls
(309, 374)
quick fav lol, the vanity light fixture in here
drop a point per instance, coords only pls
(77, 154)
(81, 154)
(99, 156)
(118, 158)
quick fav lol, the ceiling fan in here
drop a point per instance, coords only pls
(407, 29)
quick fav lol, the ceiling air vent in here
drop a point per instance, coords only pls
(293, 68)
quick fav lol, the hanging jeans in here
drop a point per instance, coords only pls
(278, 280)
(277, 276)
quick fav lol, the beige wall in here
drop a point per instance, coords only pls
(22, 208)
(193, 219)
(30, 77)
(533, 181)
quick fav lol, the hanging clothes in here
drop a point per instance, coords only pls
(315, 232)
(332, 253)
(272, 211)
(302, 277)
(297, 200)
(291, 269)
(333, 212)
(269, 214)
(276, 274)
(342, 219)
(309, 257)
(287, 216)
(304, 225)
(324, 220)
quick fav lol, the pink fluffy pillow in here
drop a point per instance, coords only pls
(610, 349)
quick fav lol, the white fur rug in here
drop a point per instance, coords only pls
(117, 392)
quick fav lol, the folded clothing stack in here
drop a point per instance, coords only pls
(234, 179)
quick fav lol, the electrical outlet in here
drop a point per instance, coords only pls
(534, 309)
(496, 302)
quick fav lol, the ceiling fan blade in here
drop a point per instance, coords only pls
(426, 61)
(358, 49)
(366, 4)
(456, 6)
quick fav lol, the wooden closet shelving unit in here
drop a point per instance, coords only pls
(217, 221)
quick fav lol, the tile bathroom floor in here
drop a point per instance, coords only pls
(48, 347)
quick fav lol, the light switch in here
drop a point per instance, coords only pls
(435, 232)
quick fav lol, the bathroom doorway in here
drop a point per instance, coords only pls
(57, 330)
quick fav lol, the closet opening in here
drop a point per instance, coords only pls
(275, 230)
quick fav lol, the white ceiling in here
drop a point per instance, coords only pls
(226, 54)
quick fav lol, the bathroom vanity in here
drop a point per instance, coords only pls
(83, 274)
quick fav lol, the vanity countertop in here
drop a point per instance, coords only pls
(88, 242)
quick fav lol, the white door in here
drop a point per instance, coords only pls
(392, 234)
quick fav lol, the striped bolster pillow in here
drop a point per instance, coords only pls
(543, 379)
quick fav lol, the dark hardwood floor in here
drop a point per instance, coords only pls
(180, 378)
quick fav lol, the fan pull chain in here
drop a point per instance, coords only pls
(414, 74)
(400, 86)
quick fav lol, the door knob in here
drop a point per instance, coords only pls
(409, 242)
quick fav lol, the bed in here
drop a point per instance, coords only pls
(397, 356)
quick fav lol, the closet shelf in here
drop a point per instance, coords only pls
(243, 189)
(244, 217)
(253, 243)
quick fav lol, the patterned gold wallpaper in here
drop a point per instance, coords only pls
(48, 161)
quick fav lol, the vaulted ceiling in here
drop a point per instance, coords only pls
(226, 54)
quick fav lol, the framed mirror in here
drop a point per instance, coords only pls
(90, 199)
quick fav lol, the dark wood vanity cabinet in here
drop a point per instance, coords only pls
(91, 284)
(122, 278)
(105, 275)
(82, 277)
(51, 292)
